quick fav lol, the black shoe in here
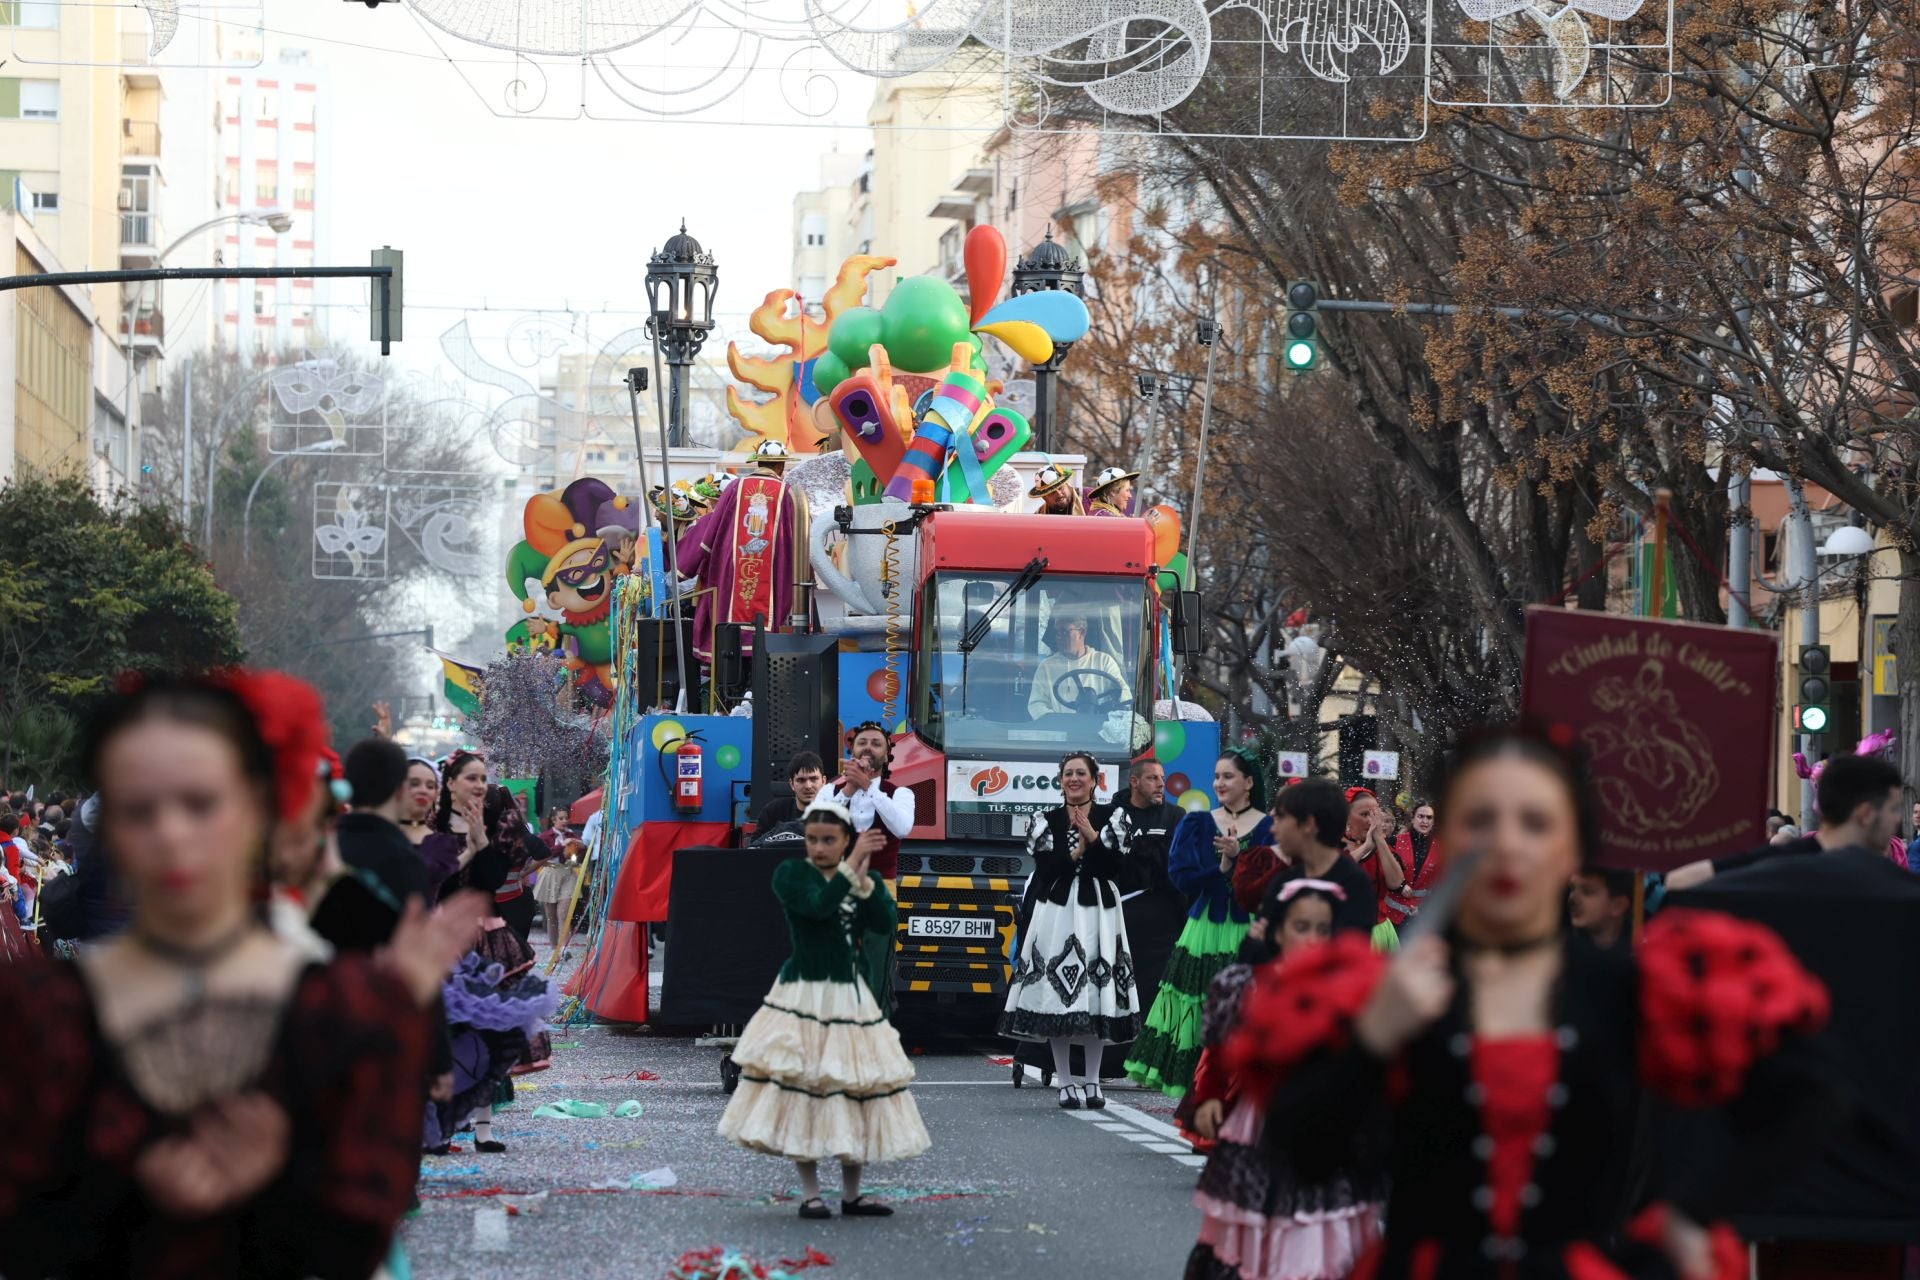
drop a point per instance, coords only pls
(490, 1147)
(1096, 1100)
(440, 1150)
(815, 1208)
(1069, 1098)
(861, 1207)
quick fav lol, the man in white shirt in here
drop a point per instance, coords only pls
(1081, 693)
(872, 800)
(882, 813)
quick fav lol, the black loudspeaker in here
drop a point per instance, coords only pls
(729, 934)
(729, 660)
(796, 707)
(657, 665)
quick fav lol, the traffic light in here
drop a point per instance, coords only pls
(1302, 350)
(1811, 714)
(387, 290)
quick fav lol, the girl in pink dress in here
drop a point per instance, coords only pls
(1261, 1220)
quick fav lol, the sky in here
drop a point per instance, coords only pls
(560, 213)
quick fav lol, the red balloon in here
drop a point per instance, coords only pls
(1177, 784)
(880, 684)
(986, 257)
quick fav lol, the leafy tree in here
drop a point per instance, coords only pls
(258, 530)
(93, 589)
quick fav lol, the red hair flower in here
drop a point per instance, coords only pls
(292, 721)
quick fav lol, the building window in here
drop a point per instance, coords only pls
(45, 201)
(41, 15)
(303, 190)
(39, 99)
(266, 187)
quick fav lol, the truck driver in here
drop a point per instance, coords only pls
(1075, 677)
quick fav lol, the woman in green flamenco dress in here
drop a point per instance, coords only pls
(1200, 864)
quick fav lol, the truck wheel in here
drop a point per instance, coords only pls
(729, 1074)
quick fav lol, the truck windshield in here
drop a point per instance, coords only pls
(1064, 664)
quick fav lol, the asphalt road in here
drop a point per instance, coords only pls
(1013, 1186)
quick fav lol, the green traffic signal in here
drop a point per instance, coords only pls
(1816, 689)
(1302, 349)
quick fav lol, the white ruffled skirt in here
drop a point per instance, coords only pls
(823, 1076)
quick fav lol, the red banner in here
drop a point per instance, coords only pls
(1678, 720)
(756, 527)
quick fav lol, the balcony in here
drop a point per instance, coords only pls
(136, 59)
(955, 206)
(140, 138)
(149, 330)
(139, 240)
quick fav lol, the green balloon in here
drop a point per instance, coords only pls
(829, 371)
(727, 757)
(1169, 740)
(923, 318)
(853, 332)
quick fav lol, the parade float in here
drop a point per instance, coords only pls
(886, 568)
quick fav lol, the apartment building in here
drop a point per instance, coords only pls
(272, 138)
(823, 226)
(930, 130)
(79, 150)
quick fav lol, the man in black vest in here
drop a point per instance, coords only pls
(1155, 911)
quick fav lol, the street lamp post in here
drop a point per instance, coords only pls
(1207, 334)
(681, 280)
(276, 221)
(1049, 266)
(1150, 391)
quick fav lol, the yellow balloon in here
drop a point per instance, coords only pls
(1195, 801)
(666, 731)
(1028, 340)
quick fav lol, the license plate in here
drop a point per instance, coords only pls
(971, 927)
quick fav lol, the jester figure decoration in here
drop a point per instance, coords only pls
(577, 541)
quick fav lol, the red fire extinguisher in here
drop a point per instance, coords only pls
(689, 792)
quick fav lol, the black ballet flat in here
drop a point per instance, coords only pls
(861, 1207)
(1069, 1098)
(815, 1209)
(441, 1150)
(1096, 1100)
(491, 1148)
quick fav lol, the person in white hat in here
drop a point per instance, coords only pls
(1058, 495)
(1112, 493)
(771, 456)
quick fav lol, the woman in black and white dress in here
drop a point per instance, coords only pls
(1074, 980)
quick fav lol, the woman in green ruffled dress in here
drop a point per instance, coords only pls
(822, 1073)
(1200, 863)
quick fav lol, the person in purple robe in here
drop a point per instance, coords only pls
(742, 553)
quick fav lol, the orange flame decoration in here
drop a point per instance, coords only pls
(780, 320)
